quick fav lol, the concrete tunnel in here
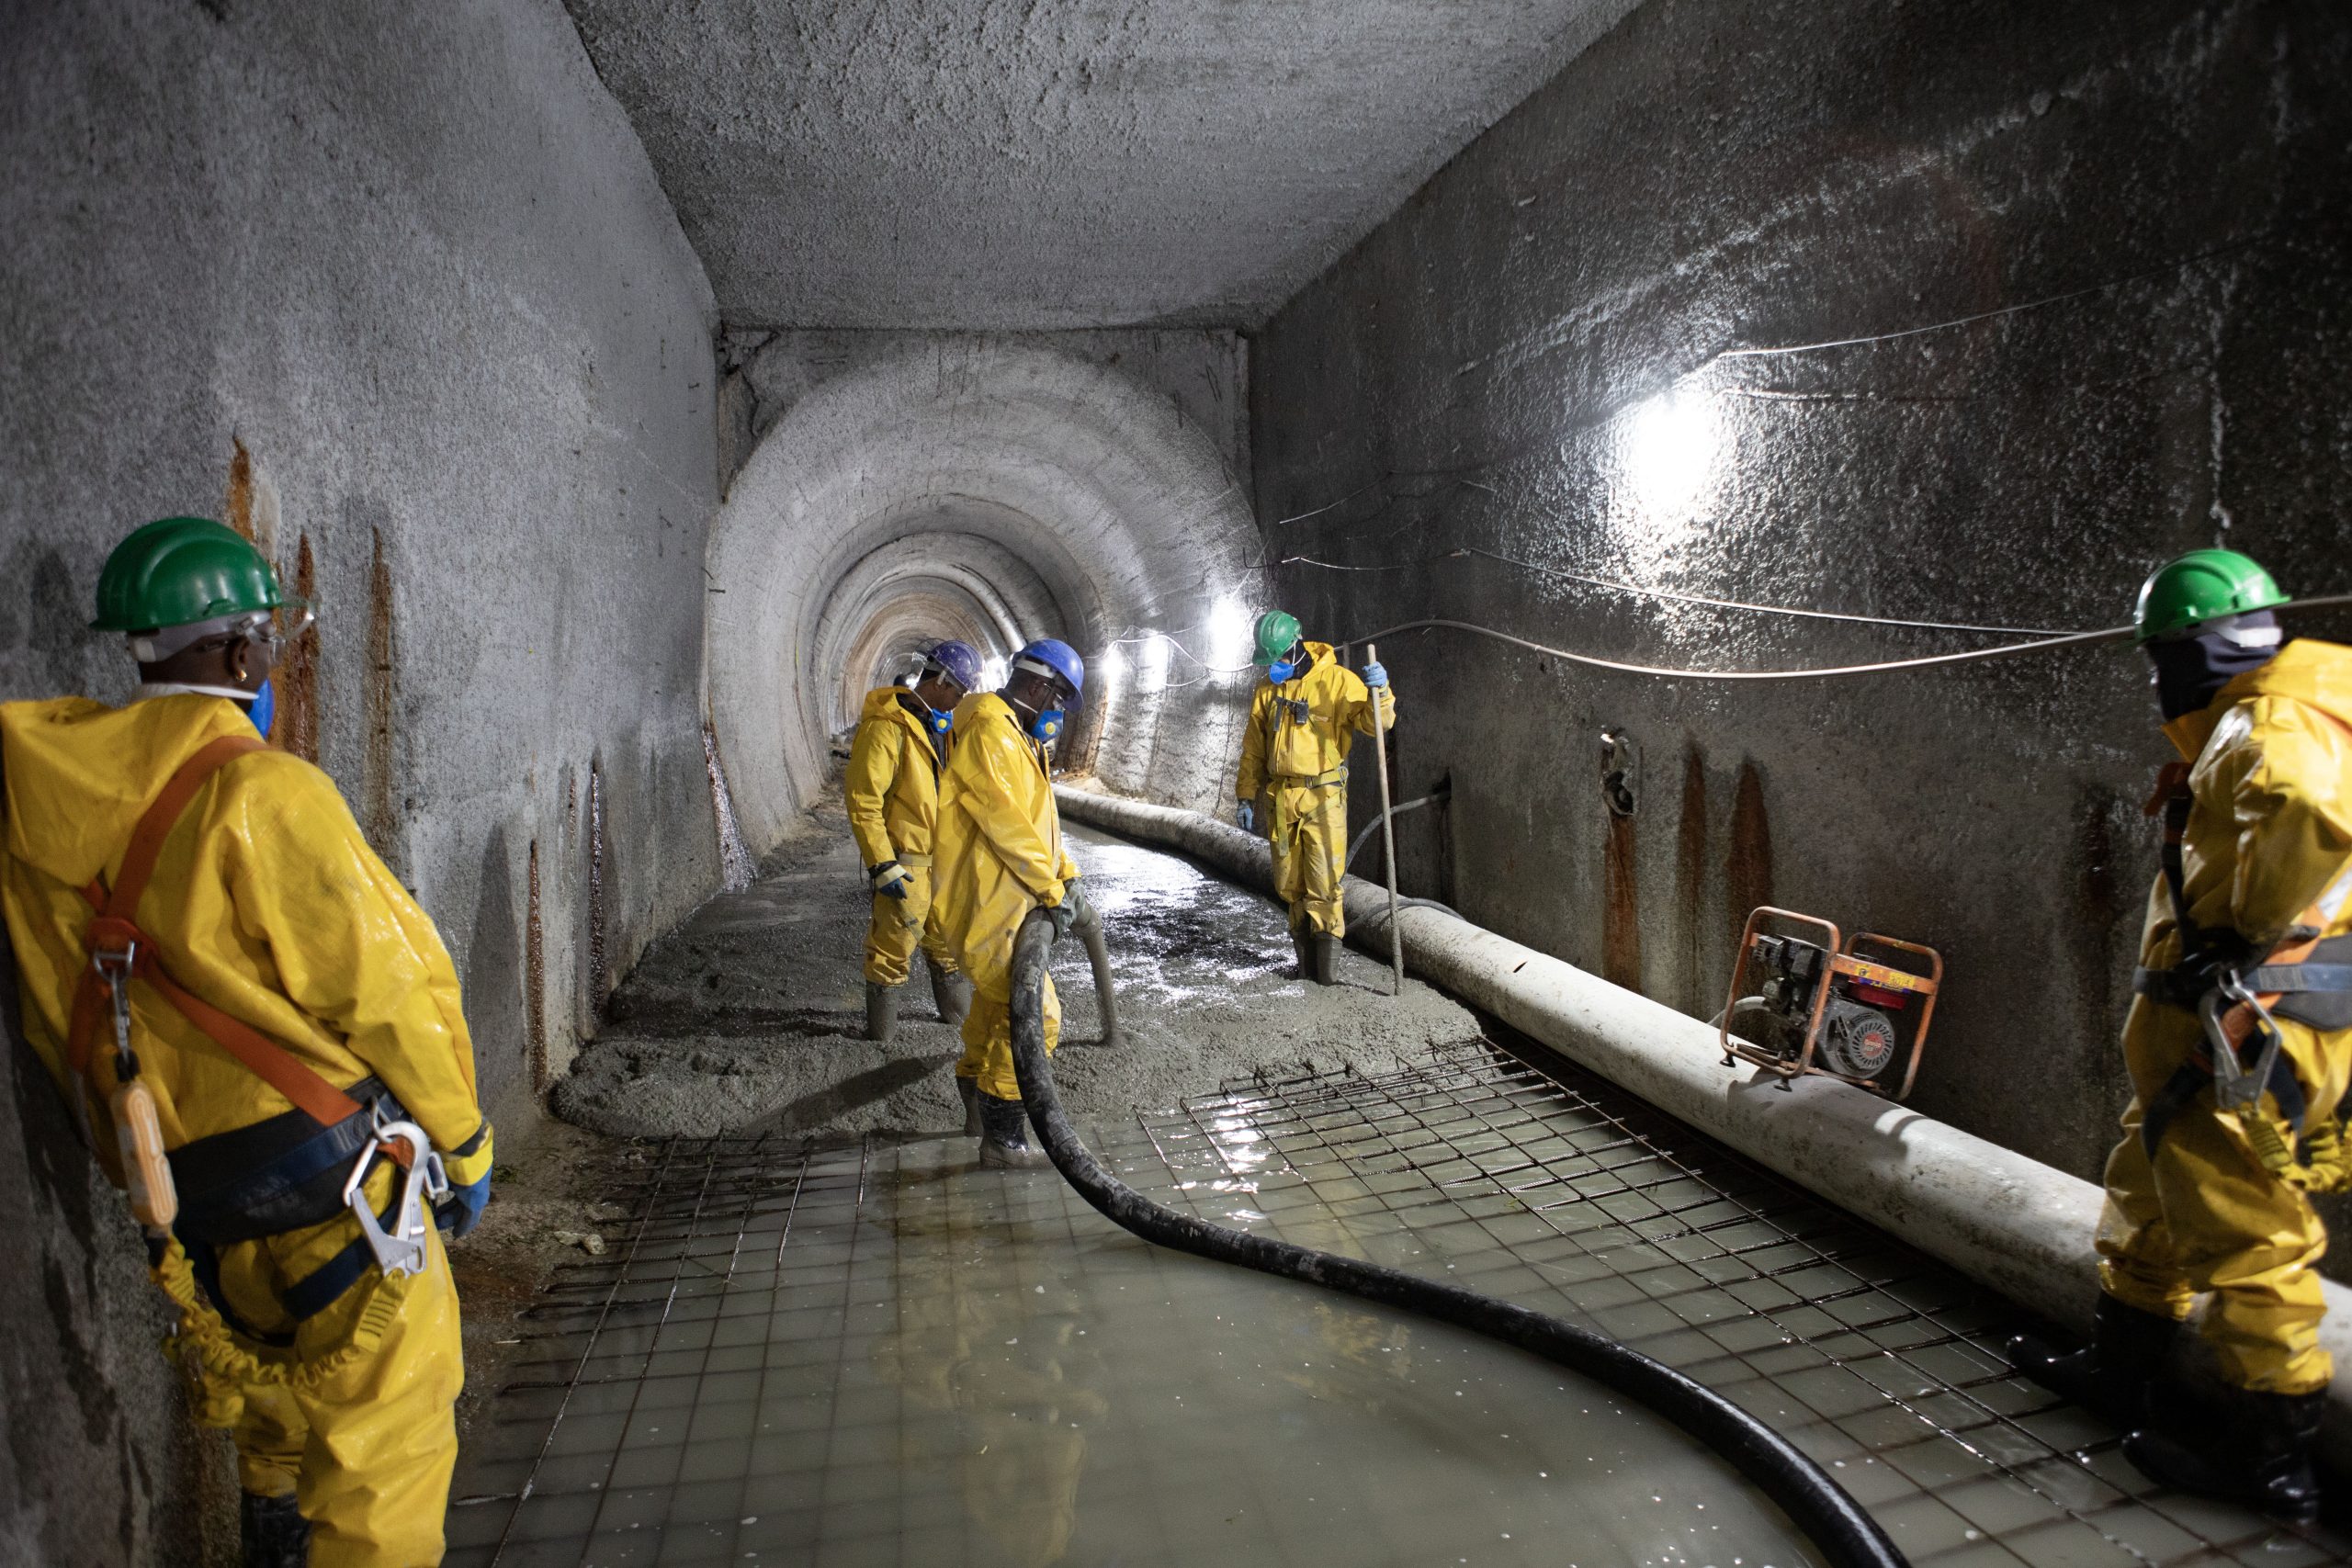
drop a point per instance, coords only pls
(632, 387)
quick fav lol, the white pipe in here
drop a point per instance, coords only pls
(2009, 1222)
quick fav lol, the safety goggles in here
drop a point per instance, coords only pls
(246, 626)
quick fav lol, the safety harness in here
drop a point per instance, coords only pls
(300, 1168)
(2303, 979)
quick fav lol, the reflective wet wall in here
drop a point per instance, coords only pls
(1966, 313)
(395, 291)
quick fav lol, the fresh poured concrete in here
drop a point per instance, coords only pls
(831, 1350)
(749, 1018)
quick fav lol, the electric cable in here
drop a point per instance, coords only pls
(2005, 650)
(1639, 592)
(1825, 1512)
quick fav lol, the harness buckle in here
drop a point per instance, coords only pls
(402, 1250)
(2235, 1086)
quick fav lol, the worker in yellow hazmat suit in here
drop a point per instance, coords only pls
(1001, 855)
(1304, 717)
(289, 1005)
(2247, 933)
(892, 788)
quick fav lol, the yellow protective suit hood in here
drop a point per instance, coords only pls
(78, 773)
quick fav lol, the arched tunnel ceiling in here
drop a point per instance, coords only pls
(1066, 162)
(1005, 490)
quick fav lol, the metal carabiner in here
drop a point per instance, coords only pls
(402, 1250)
(2235, 1086)
(114, 969)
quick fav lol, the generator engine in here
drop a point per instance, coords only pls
(1807, 1006)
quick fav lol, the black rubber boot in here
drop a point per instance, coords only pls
(1299, 951)
(881, 1011)
(272, 1532)
(1323, 958)
(2258, 1453)
(2110, 1375)
(1004, 1138)
(950, 992)
(969, 1091)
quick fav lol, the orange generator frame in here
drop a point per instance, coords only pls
(1845, 1009)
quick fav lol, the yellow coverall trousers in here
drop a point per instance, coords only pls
(901, 925)
(362, 1428)
(1308, 833)
(987, 1033)
(2204, 1216)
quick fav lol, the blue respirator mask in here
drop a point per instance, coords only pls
(940, 723)
(1048, 724)
(263, 709)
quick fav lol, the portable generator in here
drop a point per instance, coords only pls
(1849, 1010)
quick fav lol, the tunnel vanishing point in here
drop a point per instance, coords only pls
(631, 387)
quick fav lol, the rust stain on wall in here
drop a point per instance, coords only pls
(1690, 877)
(379, 818)
(1621, 933)
(241, 489)
(534, 974)
(600, 973)
(295, 678)
(1748, 871)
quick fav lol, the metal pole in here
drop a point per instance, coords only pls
(1388, 831)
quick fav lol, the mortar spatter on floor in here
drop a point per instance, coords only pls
(749, 1017)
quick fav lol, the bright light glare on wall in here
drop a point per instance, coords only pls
(992, 674)
(1228, 634)
(1153, 663)
(1114, 663)
(1669, 451)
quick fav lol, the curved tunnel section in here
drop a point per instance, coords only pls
(996, 493)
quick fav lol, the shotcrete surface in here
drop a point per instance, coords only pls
(749, 1017)
(916, 162)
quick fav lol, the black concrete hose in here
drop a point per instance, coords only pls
(1838, 1526)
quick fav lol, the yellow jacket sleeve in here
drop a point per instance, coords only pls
(1252, 777)
(872, 769)
(352, 949)
(998, 774)
(2292, 810)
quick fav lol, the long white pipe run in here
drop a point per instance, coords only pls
(2012, 1223)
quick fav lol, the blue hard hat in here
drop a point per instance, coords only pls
(1048, 656)
(961, 662)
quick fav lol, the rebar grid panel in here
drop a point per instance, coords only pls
(1558, 1191)
(814, 1356)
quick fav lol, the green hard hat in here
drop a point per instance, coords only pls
(1277, 634)
(2201, 586)
(175, 571)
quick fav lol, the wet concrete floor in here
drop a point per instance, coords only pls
(858, 1347)
(749, 1018)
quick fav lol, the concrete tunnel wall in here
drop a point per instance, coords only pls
(398, 291)
(1968, 313)
(918, 485)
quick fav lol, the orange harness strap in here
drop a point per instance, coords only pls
(115, 930)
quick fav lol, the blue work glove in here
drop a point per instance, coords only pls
(890, 879)
(1245, 815)
(460, 1211)
(1375, 676)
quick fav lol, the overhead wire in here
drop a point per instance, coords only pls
(1639, 592)
(2005, 650)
